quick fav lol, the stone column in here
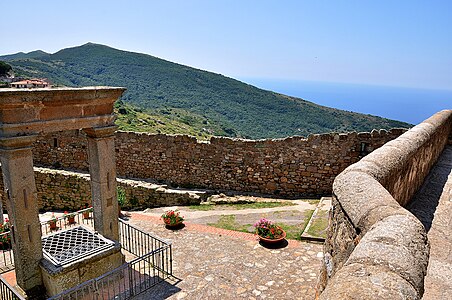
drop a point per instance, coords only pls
(22, 205)
(102, 168)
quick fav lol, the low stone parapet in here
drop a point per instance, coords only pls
(376, 249)
(68, 190)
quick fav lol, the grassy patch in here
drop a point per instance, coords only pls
(293, 232)
(255, 205)
(319, 224)
(228, 222)
(170, 121)
(202, 207)
(291, 213)
(313, 201)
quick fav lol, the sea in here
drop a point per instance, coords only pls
(411, 105)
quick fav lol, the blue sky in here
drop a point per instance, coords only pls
(396, 43)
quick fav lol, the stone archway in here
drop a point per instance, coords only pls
(24, 114)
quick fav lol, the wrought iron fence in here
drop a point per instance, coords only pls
(137, 241)
(7, 292)
(152, 266)
(83, 216)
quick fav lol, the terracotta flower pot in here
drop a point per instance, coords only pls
(85, 214)
(273, 241)
(4, 246)
(175, 225)
(71, 220)
(52, 225)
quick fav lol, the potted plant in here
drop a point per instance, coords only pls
(172, 218)
(52, 222)
(121, 194)
(87, 211)
(5, 235)
(70, 217)
(269, 232)
(5, 226)
(5, 241)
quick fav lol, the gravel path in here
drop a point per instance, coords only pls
(300, 205)
(294, 214)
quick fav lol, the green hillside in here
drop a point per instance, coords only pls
(22, 55)
(210, 103)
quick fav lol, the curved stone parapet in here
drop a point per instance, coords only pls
(375, 248)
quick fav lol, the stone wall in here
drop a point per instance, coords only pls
(290, 167)
(376, 249)
(66, 190)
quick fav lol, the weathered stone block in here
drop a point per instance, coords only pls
(398, 244)
(360, 281)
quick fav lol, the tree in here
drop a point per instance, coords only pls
(4, 68)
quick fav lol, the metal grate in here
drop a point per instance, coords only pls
(134, 278)
(73, 244)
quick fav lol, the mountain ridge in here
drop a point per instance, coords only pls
(23, 55)
(224, 105)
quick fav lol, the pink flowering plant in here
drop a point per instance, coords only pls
(87, 206)
(172, 217)
(5, 226)
(5, 235)
(267, 229)
(52, 220)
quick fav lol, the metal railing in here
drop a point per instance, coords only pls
(83, 216)
(137, 241)
(7, 292)
(152, 266)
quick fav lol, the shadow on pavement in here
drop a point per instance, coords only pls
(424, 203)
(282, 244)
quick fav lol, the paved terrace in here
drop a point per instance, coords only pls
(213, 263)
(433, 206)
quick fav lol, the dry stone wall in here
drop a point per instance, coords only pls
(58, 189)
(290, 167)
(376, 249)
(66, 190)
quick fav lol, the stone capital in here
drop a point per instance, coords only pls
(24, 111)
(8, 144)
(101, 132)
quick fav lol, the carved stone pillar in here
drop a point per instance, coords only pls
(102, 168)
(21, 203)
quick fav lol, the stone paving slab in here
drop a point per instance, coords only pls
(433, 206)
(214, 263)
